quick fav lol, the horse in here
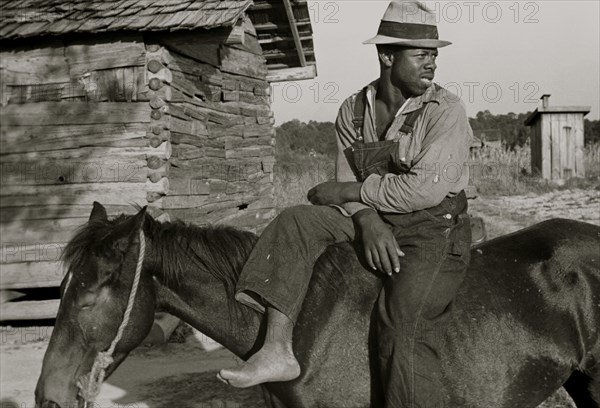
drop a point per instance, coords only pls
(525, 321)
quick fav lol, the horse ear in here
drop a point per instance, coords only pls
(98, 212)
(136, 223)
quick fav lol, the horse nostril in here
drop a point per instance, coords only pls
(50, 404)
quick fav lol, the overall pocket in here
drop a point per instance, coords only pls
(442, 213)
(379, 158)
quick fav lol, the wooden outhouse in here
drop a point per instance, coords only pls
(557, 140)
(164, 103)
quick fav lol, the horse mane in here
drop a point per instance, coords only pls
(220, 251)
(88, 236)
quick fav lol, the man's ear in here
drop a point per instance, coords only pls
(388, 53)
(386, 59)
(98, 212)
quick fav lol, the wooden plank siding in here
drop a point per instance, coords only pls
(535, 142)
(42, 309)
(546, 147)
(125, 50)
(30, 138)
(33, 274)
(81, 70)
(57, 113)
(77, 134)
(579, 152)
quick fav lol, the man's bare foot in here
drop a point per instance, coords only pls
(267, 365)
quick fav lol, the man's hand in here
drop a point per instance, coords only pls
(381, 248)
(336, 193)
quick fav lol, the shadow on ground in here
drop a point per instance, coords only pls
(198, 390)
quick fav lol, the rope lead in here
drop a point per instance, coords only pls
(89, 385)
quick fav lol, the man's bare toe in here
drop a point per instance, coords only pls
(220, 377)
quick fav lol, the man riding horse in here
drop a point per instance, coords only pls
(403, 142)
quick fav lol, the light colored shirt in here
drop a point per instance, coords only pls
(437, 152)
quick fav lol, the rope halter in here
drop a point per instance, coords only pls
(89, 385)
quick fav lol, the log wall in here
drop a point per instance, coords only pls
(180, 122)
(213, 106)
(73, 129)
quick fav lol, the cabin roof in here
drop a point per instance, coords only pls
(28, 18)
(555, 109)
(283, 27)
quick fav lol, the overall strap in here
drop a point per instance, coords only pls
(409, 123)
(411, 118)
(358, 118)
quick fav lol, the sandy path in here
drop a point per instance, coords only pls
(503, 215)
(172, 375)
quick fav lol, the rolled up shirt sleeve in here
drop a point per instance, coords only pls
(437, 170)
(345, 136)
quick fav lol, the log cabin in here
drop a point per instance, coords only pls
(164, 103)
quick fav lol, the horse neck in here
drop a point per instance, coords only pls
(199, 297)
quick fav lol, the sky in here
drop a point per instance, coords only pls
(504, 56)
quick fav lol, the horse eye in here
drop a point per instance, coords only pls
(87, 300)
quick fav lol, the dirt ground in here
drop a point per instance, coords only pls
(503, 215)
(178, 375)
(183, 374)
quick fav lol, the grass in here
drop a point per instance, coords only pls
(499, 172)
(495, 172)
(295, 175)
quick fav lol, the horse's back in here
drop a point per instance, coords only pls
(526, 307)
(527, 314)
(553, 264)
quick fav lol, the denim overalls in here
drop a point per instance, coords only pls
(413, 306)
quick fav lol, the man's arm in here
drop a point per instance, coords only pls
(381, 249)
(436, 170)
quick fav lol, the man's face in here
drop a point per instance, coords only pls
(413, 70)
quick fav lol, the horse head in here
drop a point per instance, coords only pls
(101, 263)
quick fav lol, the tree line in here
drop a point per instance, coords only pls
(295, 137)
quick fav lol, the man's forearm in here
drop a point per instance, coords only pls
(334, 193)
(350, 192)
(364, 216)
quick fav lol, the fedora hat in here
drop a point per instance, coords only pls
(408, 23)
